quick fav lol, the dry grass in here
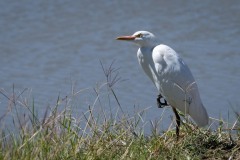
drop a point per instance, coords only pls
(98, 134)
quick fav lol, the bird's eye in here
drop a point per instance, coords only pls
(139, 35)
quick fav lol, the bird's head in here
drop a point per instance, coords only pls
(141, 38)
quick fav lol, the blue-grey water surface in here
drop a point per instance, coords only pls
(46, 46)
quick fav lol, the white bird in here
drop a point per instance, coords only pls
(171, 76)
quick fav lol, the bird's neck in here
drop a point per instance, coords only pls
(146, 49)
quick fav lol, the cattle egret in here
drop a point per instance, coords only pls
(171, 76)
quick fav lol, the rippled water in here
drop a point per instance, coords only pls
(47, 45)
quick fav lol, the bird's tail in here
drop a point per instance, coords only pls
(199, 115)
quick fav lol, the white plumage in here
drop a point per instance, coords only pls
(170, 75)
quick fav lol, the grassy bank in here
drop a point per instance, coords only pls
(100, 134)
(59, 135)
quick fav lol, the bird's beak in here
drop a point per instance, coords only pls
(126, 38)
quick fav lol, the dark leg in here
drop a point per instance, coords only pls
(159, 103)
(178, 122)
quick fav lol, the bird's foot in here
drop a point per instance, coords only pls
(161, 102)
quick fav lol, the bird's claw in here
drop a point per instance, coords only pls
(161, 102)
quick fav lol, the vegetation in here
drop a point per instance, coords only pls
(60, 134)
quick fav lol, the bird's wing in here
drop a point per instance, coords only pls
(177, 83)
(170, 68)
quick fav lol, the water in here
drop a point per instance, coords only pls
(47, 46)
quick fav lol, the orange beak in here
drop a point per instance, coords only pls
(126, 38)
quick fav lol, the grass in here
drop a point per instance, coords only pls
(98, 134)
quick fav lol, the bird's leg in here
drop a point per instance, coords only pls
(178, 122)
(159, 103)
